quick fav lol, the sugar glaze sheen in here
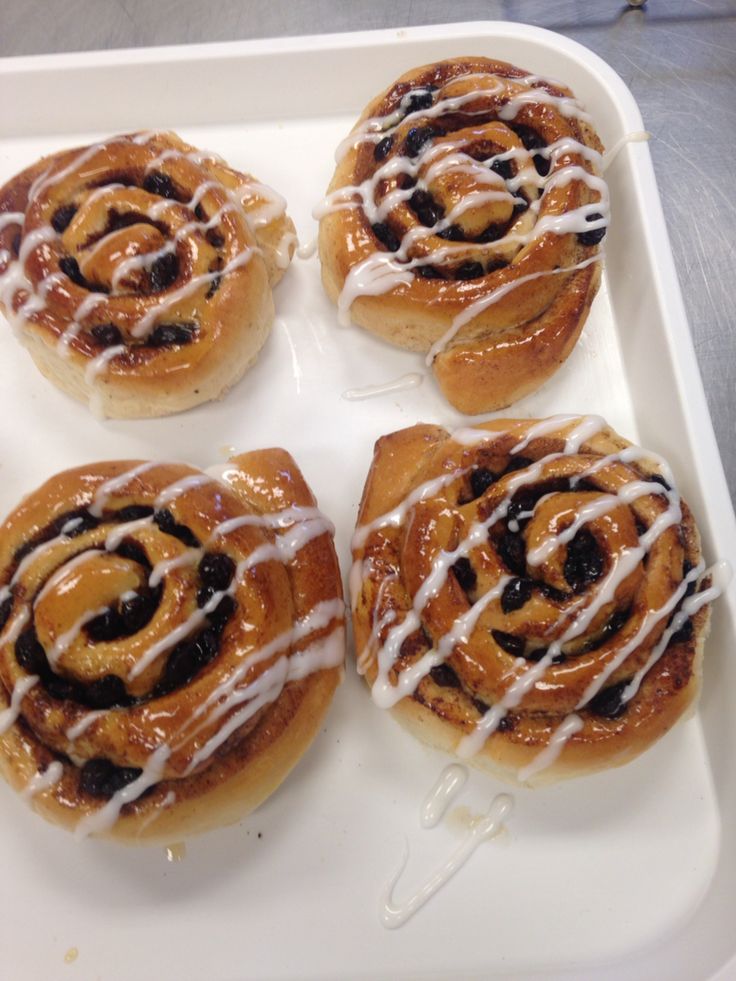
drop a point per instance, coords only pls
(142, 649)
(138, 261)
(541, 582)
(464, 220)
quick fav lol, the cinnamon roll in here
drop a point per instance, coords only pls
(464, 220)
(169, 642)
(138, 271)
(529, 594)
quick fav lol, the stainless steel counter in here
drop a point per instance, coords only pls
(677, 56)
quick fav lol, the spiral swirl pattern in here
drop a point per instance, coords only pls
(167, 639)
(464, 219)
(138, 271)
(524, 593)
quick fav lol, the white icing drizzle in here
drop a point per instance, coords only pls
(411, 380)
(229, 693)
(307, 250)
(299, 525)
(84, 309)
(284, 249)
(588, 512)
(374, 276)
(197, 156)
(180, 487)
(586, 428)
(45, 180)
(315, 641)
(567, 106)
(567, 728)
(146, 260)
(106, 816)
(321, 654)
(650, 620)
(394, 914)
(269, 206)
(14, 279)
(98, 365)
(13, 627)
(578, 614)
(449, 784)
(639, 136)
(27, 561)
(147, 135)
(11, 218)
(385, 694)
(121, 531)
(76, 730)
(169, 640)
(70, 525)
(106, 490)
(278, 519)
(364, 658)
(394, 518)
(375, 128)
(43, 781)
(148, 321)
(39, 236)
(720, 574)
(602, 593)
(20, 689)
(384, 272)
(64, 641)
(166, 566)
(479, 306)
(272, 206)
(168, 800)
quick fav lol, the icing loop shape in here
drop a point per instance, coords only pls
(464, 220)
(529, 594)
(138, 271)
(169, 642)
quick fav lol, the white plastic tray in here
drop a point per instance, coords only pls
(626, 873)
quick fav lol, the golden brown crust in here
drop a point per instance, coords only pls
(514, 363)
(510, 309)
(220, 679)
(117, 242)
(513, 610)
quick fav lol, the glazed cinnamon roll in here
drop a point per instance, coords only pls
(169, 642)
(464, 220)
(529, 594)
(138, 271)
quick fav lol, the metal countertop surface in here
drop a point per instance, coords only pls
(678, 57)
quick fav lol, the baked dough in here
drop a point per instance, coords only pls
(529, 594)
(139, 271)
(464, 220)
(169, 642)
